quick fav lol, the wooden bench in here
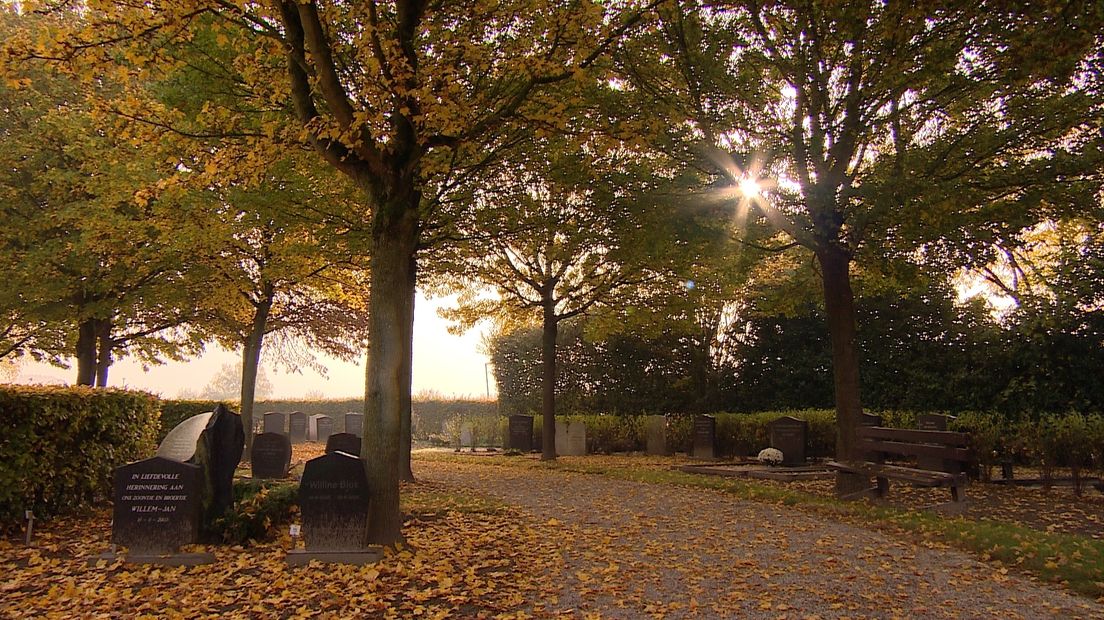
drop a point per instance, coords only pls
(879, 444)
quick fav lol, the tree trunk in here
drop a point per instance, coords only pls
(548, 380)
(406, 473)
(839, 305)
(104, 346)
(387, 384)
(86, 352)
(251, 363)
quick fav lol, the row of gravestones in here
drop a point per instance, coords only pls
(164, 502)
(300, 427)
(570, 436)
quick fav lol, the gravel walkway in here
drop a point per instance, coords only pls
(636, 550)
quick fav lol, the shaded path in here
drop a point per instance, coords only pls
(634, 550)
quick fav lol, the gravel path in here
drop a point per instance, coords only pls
(635, 550)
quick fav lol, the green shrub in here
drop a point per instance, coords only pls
(174, 412)
(59, 446)
(260, 508)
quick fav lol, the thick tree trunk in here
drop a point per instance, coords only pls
(839, 305)
(387, 384)
(548, 380)
(104, 347)
(406, 472)
(86, 352)
(251, 363)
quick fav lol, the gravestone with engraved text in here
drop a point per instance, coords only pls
(271, 455)
(705, 437)
(789, 435)
(157, 505)
(297, 426)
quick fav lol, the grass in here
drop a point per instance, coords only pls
(1073, 560)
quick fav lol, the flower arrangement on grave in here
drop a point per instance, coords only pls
(770, 456)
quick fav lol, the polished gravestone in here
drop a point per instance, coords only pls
(271, 455)
(705, 437)
(333, 502)
(789, 435)
(180, 443)
(570, 438)
(218, 451)
(297, 426)
(157, 509)
(520, 435)
(319, 427)
(344, 442)
(354, 423)
(275, 422)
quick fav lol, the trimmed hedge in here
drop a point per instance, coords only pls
(60, 445)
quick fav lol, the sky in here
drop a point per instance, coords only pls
(443, 363)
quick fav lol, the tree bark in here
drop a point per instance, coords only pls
(251, 363)
(548, 379)
(104, 346)
(387, 384)
(839, 305)
(86, 352)
(406, 472)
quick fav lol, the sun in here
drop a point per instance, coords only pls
(749, 187)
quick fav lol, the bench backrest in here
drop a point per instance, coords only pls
(947, 445)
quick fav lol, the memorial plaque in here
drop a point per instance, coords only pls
(275, 423)
(180, 444)
(576, 439)
(521, 433)
(935, 422)
(320, 428)
(561, 438)
(788, 435)
(705, 437)
(656, 431)
(354, 423)
(157, 505)
(271, 455)
(333, 500)
(344, 442)
(297, 426)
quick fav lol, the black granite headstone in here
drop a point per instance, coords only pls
(521, 433)
(705, 437)
(333, 500)
(354, 423)
(275, 422)
(343, 442)
(157, 505)
(297, 426)
(218, 452)
(788, 435)
(320, 427)
(271, 455)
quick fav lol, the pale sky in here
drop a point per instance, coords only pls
(443, 363)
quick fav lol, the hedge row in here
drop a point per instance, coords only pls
(60, 445)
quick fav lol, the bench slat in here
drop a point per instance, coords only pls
(916, 449)
(947, 438)
(908, 474)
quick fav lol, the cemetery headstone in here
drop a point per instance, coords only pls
(218, 452)
(657, 436)
(180, 444)
(788, 435)
(297, 426)
(521, 433)
(157, 509)
(320, 427)
(343, 442)
(576, 439)
(935, 422)
(561, 437)
(705, 437)
(271, 455)
(275, 422)
(466, 437)
(333, 502)
(354, 423)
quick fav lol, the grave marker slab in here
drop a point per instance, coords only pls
(157, 509)
(657, 436)
(344, 442)
(705, 437)
(333, 501)
(576, 439)
(180, 444)
(561, 437)
(466, 439)
(320, 427)
(297, 426)
(789, 434)
(354, 423)
(275, 422)
(218, 452)
(271, 455)
(521, 433)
